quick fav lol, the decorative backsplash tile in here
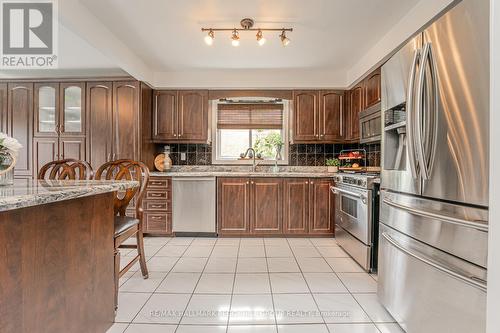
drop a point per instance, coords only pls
(300, 154)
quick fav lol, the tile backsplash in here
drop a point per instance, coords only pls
(299, 154)
(196, 154)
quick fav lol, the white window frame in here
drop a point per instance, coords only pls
(218, 160)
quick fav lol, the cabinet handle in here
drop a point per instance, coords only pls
(252, 183)
(156, 206)
(312, 183)
(156, 217)
(248, 182)
(156, 195)
(156, 183)
(307, 183)
(175, 134)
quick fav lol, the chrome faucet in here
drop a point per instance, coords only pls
(254, 165)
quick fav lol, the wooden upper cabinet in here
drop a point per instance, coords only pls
(165, 115)
(126, 120)
(321, 209)
(233, 216)
(266, 204)
(100, 126)
(72, 109)
(356, 102)
(372, 87)
(20, 124)
(46, 110)
(180, 116)
(192, 116)
(331, 116)
(296, 206)
(305, 116)
(3, 107)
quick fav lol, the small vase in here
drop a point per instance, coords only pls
(333, 169)
(7, 163)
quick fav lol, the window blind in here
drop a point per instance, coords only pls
(250, 116)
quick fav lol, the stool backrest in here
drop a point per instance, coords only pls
(126, 170)
(67, 169)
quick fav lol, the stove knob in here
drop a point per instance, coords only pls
(359, 182)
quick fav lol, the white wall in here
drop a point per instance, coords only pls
(417, 17)
(251, 79)
(494, 235)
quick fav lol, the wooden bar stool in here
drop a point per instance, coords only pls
(125, 226)
(68, 169)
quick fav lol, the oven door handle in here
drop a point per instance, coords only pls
(337, 190)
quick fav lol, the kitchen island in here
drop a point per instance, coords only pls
(56, 255)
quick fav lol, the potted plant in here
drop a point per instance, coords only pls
(333, 164)
(9, 147)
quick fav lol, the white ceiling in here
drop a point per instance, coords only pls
(328, 34)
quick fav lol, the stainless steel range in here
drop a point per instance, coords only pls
(356, 217)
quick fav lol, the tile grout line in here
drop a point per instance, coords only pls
(232, 290)
(170, 270)
(196, 285)
(307, 284)
(270, 287)
(129, 323)
(350, 293)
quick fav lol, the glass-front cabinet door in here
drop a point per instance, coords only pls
(72, 109)
(46, 109)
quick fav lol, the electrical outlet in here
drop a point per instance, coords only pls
(183, 156)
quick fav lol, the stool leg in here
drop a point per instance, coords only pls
(142, 255)
(117, 276)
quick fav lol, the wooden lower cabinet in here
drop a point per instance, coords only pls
(233, 213)
(321, 207)
(296, 206)
(274, 206)
(266, 208)
(157, 206)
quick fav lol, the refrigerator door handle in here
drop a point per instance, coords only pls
(410, 130)
(434, 114)
(472, 280)
(420, 149)
(426, 152)
(449, 219)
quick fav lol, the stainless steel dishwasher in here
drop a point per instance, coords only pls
(194, 200)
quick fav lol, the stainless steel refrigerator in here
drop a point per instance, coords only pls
(434, 199)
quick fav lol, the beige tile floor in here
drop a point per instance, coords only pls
(263, 285)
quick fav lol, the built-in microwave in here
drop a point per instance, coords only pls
(370, 124)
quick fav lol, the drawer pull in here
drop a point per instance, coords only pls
(156, 206)
(156, 217)
(157, 183)
(156, 195)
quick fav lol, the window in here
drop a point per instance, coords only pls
(239, 126)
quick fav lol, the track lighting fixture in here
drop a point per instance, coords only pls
(209, 39)
(246, 25)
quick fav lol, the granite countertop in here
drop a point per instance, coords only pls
(26, 193)
(245, 171)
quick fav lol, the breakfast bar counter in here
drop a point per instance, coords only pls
(56, 255)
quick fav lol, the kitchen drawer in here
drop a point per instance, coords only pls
(158, 195)
(157, 205)
(158, 182)
(158, 222)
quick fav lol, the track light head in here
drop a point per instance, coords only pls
(260, 38)
(235, 39)
(209, 39)
(284, 39)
